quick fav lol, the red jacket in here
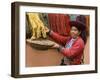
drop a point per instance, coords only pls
(75, 52)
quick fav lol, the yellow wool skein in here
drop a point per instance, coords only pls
(38, 28)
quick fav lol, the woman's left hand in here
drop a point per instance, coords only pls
(56, 45)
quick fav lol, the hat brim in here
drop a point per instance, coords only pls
(78, 24)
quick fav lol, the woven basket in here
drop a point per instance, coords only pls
(42, 44)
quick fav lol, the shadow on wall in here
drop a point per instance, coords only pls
(87, 52)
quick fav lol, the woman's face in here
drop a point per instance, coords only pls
(74, 32)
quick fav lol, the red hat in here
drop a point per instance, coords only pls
(79, 25)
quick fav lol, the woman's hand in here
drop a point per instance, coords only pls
(46, 30)
(56, 45)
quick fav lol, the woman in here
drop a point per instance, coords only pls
(72, 46)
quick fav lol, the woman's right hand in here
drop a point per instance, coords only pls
(47, 30)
